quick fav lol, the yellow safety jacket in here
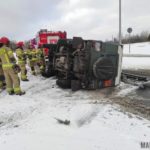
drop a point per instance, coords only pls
(21, 56)
(39, 54)
(28, 54)
(7, 57)
(34, 56)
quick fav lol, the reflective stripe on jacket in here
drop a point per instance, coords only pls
(34, 56)
(28, 54)
(21, 56)
(6, 55)
(39, 54)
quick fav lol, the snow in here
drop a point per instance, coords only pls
(28, 122)
(137, 48)
(137, 62)
(126, 89)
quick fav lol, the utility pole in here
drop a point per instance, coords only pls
(120, 23)
(129, 43)
(129, 30)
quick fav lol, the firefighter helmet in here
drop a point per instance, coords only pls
(20, 44)
(5, 40)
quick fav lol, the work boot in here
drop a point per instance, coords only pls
(33, 73)
(24, 80)
(20, 93)
(11, 93)
(4, 86)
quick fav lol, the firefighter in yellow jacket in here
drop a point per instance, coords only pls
(34, 59)
(1, 73)
(31, 54)
(29, 57)
(9, 67)
(40, 58)
(22, 60)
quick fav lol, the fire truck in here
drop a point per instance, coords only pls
(48, 39)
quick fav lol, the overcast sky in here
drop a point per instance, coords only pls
(91, 19)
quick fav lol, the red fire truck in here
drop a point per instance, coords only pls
(49, 37)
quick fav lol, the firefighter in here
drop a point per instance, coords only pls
(34, 59)
(9, 67)
(22, 60)
(29, 53)
(40, 58)
(28, 56)
(1, 74)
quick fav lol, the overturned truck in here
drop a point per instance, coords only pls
(87, 64)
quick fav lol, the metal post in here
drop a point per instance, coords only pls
(120, 22)
(129, 43)
(129, 30)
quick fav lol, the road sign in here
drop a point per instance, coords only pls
(129, 30)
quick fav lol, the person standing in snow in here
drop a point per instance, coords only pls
(31, 55)
(9, 67)
(40, 58)
(21, 60)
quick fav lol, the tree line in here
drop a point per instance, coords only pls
(144, 36)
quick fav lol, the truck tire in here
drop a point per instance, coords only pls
(48, 73)
(75, 85)
(65, 84)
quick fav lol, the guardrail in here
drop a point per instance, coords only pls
(136, 55)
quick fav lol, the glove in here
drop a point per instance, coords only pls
(19, 57)
(41, 55)
(29, 56)
(13, 60)
(24, 57)
(16, 68)
(2, 78)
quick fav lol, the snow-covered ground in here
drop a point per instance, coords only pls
(137, 62)
(28, 122)
(137, 48)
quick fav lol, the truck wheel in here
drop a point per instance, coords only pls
(65, 84)
(48, 74)
(76, 85)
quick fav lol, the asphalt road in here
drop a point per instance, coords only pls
(132, 99)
